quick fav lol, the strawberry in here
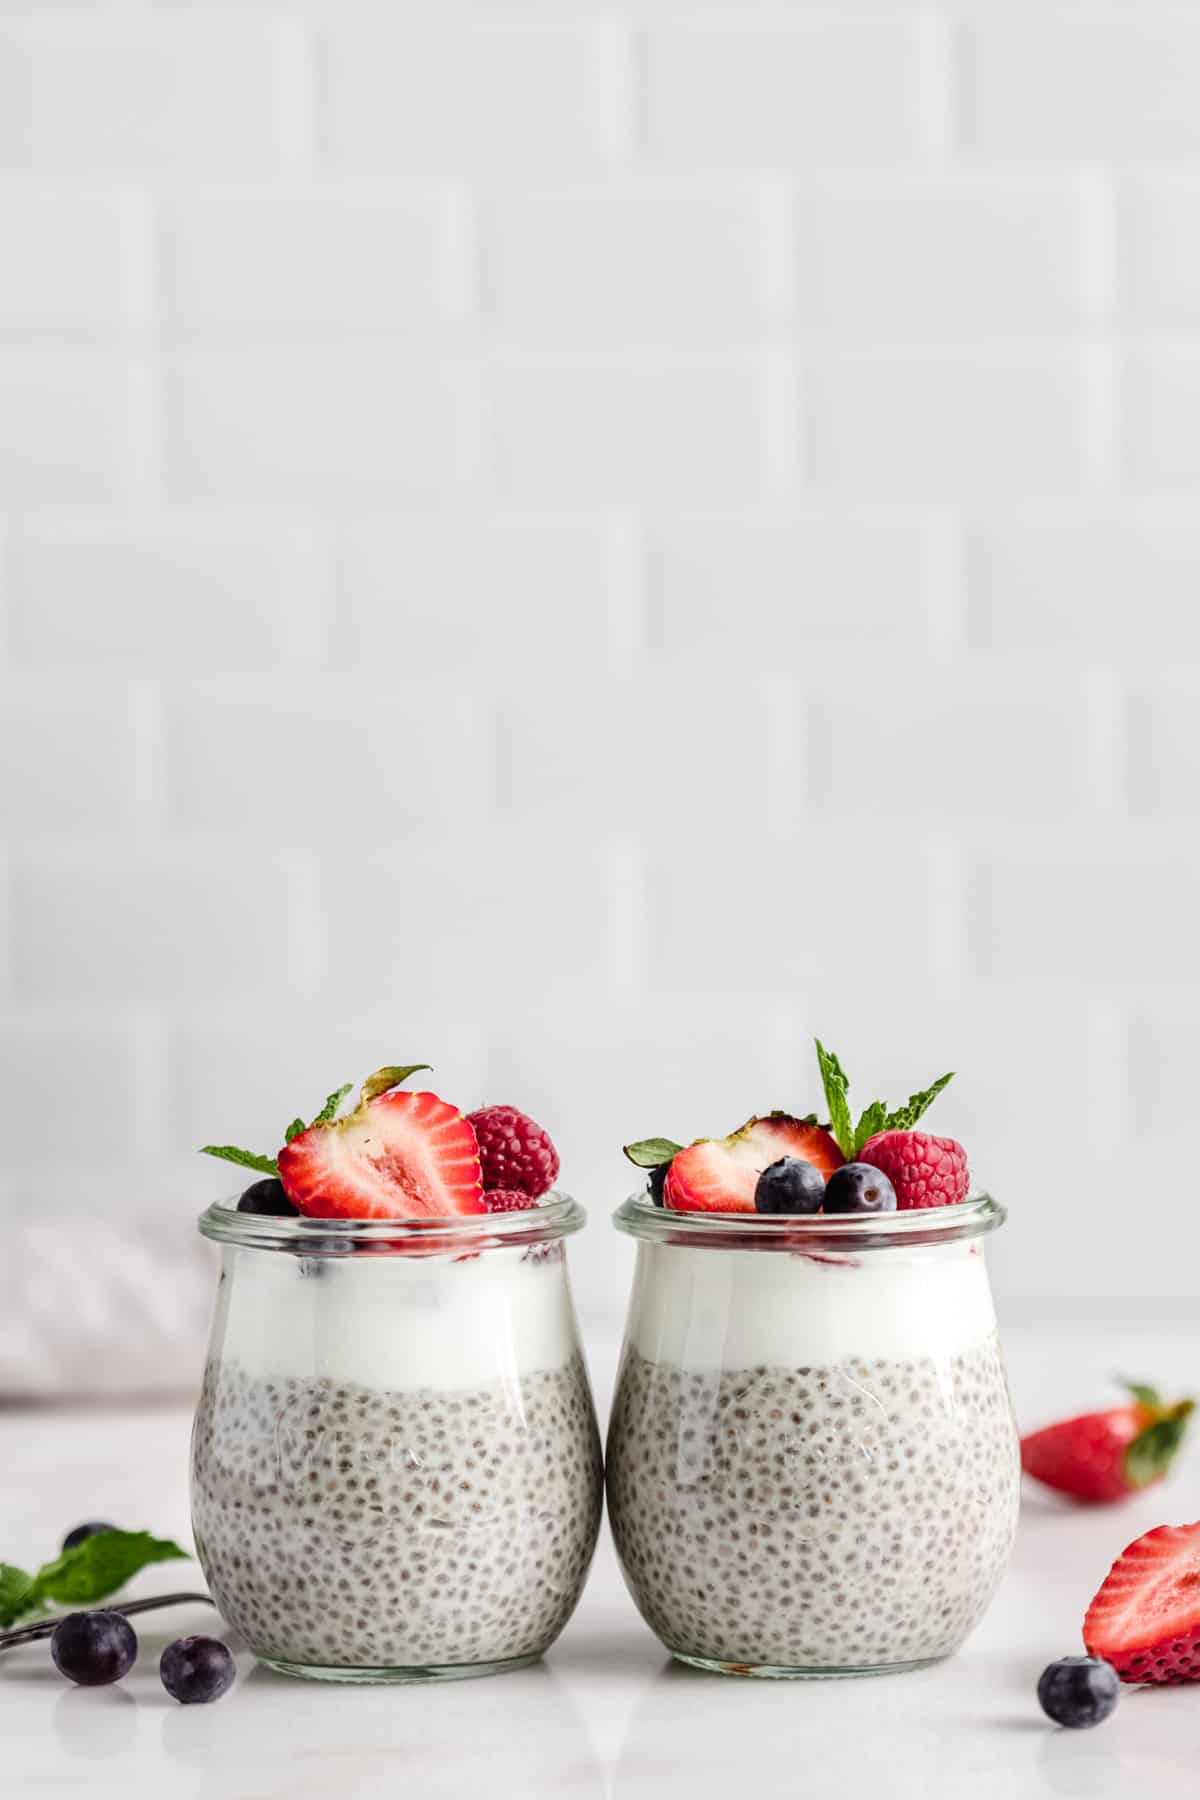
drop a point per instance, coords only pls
(1108, 1455)
(721, 1174)
(1145, 1619)
(924, 1170)
(397, 1155)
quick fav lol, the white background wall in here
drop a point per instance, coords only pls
(584, 544)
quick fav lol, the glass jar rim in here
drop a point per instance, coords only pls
(851, 1232)
(556, 1215)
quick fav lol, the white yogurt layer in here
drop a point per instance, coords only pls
(395, 1322)
(735, 1309)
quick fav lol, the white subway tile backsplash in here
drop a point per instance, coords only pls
(948, 751)
(452, 84)
(83, 93)
(927, 421)
(645, 250)
(323, 755)
(319, 427)
(1079, 587)
(76, 258)
(933, 251)
(165, 592)
(329, 255)
(74, 424)
(490, 597)
(166, 928)
(619, 536)
(751, 590)
(68, 756)
(618, 424)
(826, 84)
(1116, 80)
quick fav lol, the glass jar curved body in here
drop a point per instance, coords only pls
(813, 1466)
(396, 1469)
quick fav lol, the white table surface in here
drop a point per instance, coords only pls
(607, 1713)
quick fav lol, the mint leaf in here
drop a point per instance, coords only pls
(294, 1130)
(651, 1153)
(332, 1106)
(837, 1088)
(97, 1567)
(383, 1079)
(245, 1159)
(15, 1584)
(905, 1117)
(874, 1119)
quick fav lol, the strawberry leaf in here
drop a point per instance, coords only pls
(1143, 1393)
(905, 1117)
(245, 1159)
(1153, 1450)
(15, 1584)
(294, 1130)
(333, 1102)
(383, 1079)
(837, 1088)
(651, 1153)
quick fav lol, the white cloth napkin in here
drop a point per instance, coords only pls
(90, 1309)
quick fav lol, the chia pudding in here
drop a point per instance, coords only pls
(396, 1467)
(812, 1461)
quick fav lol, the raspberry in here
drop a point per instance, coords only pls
(516, 1154)
(924, 1170)
(502, 1200)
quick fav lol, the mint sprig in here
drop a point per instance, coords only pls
(875, 1118)
(90, 1571)
(245, 1159)
(651, 1153)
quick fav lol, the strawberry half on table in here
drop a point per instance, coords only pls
(398, 1155)
(1108, 1455)
(1145, 1619)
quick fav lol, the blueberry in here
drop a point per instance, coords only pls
(85, 1531)
(196, 1669)
(658, 1180)
(859, 1188)
(94, 1648)
(790, 1185)
(1077, 1691)
(268, 1196)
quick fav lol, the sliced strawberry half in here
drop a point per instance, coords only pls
(397, 1156)
(1145, 1620)
(721, 1174)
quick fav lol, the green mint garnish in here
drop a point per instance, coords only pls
(14, 1585)
(837, 1088)
(651, 1153)
(91, 1571)
(383, 1079)
(246, 1159)
(876, 1118)
(905, 1117)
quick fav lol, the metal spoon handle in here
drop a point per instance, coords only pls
(28, 1634)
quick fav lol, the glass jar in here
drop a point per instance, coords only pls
(813, 1466)
(396, 1469)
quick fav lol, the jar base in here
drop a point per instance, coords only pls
(424, 1672)
(769, 1672)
